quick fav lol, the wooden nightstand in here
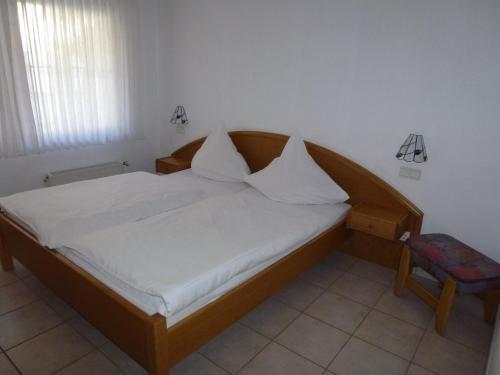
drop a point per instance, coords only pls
(377, 221)
(171, 164)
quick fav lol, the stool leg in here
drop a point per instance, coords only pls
(444, 305)
(404, 271)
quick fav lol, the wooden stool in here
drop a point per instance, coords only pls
(457, 266)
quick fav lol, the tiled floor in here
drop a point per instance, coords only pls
(340, 317)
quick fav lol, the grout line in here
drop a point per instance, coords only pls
(10, 283)
(95, 347)
(209, 360)
(113, 362)
(372, 308)
(273, 340)
(277, 335)
(16, 279)
(21, 307)
(300, 355)
(12, 363)
(337, 354)
(35, 336)
(213, 363)
(415, 352)
(83, 356)
(351, 335)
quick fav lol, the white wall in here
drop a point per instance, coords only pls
(356, 76)
(24, 173)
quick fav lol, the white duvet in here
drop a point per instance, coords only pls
(183, 255)
(63, 213)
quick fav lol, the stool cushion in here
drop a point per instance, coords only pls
(442, 255)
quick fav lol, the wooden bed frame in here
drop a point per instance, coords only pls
(146, 338)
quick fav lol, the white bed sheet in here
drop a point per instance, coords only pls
(177, 262)
(62, 213)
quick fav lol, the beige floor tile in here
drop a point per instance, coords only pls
(234, 347)
(470, 305)
(24, 323)
(322, 274)
(6, 368)
(313, 339)
(122, 360)
(390, 334)
(277, 360)
(374, 272)
(37, 286)
(49, 352)
(446, 357)
(338, 311)
(92, 364)
(60, 307)
(196, 364)
(270, 318)
(88, 331)
(299, 294)
(358, 289)
(340, 260)
(360, 358)
(417, 370)
(467, 330)
(408, 307)
(7, 277)
(14, 296)
(20, 270)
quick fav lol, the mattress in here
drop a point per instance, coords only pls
(177, 262)
(58, 214)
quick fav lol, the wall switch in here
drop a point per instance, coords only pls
(411, 173)
(180, 129)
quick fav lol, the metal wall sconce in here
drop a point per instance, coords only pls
(179, 116)
(413, 149)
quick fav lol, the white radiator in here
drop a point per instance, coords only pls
(84, 173)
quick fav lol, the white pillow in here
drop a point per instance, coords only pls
(295, 177)
(219, 160)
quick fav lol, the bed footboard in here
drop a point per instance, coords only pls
(5, 257)
(142, 336)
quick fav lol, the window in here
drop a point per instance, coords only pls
(77, 64)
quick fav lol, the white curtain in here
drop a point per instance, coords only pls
(17, 126)
(78, 57)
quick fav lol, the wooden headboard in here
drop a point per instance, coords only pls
(260, 148)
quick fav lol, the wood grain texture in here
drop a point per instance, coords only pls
(260, 148)
(445, 304)
(200, 327)
(5, 257)
(378, 221)
(126, 325)
(146, 338)
(171, 165)
(404, 272)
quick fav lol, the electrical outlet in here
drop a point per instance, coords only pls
(180, 129)
(411, 173)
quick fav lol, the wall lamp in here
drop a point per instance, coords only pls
(413, 149)
(179, 117)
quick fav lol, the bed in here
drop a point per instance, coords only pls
(147, 335)
(57, 214)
